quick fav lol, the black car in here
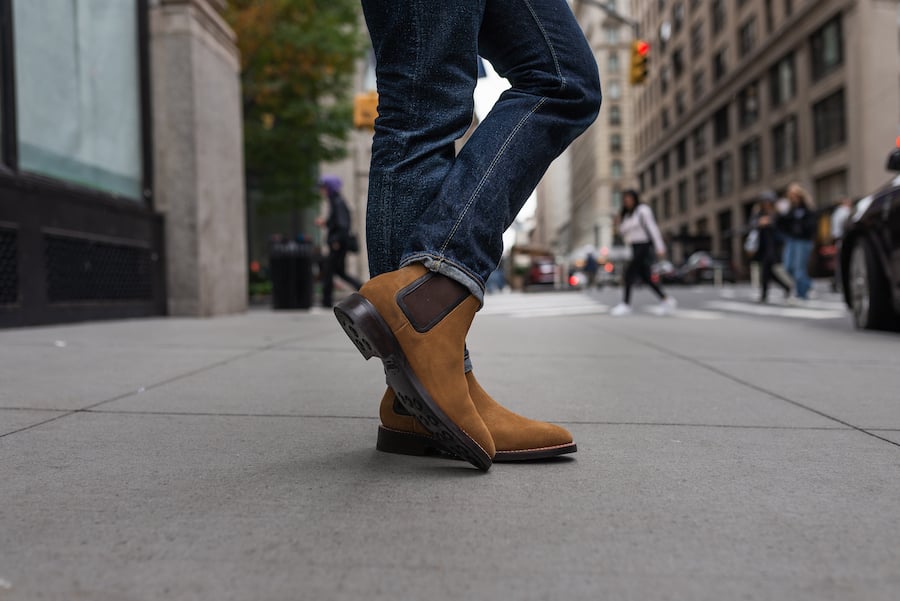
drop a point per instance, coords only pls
(870, 256)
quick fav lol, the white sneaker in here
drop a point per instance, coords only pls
(667, 305)
(620, 310)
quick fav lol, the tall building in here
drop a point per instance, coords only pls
(602, 159)
(749, 95)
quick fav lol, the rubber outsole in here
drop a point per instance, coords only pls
(412, 443)
(373, 338)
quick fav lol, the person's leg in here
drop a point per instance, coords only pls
(630, 277)
(787, 259)
(555, 95)
(413, 320)
(645, 273)
(326, 277)
(767, 275)
(340, 269)
(801, 267)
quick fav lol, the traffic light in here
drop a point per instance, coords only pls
(365, 109)
(640, 56)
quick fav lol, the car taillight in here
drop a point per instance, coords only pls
(573, 281)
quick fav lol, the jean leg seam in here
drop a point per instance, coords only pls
(550, 47)
(488, 173)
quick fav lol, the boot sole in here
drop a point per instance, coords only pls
(411, 443)
(373, 338)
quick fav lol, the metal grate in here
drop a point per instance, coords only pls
(89, 270)
(9, 267)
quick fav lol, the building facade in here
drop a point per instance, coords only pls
(749, 95)
(602, 159)
(121, 167)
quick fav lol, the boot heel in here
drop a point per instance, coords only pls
(406, 443)
(365, 327)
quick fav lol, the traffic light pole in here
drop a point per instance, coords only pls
(615, 15)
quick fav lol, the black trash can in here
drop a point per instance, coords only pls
(290, 266)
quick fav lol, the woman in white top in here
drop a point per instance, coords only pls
(639, 230)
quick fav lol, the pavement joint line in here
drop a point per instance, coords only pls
(373, 418)
(758, 388)
(143, 389)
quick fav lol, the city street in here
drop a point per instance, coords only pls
(723, 453)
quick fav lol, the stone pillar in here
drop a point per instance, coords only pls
(198, 156)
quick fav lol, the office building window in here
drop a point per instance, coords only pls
(615, 115)
(653, 175)
(788, 8)
(751, 157)
(720, 64)
(78, 98)
(697, 39)
(747, 37)
(827, 49)
(677, 62)
(617, 199)
(829, 123)
(682, 196)
(664, 116)
(681, 154)
(612, 34)
(615, 142)
(717, 16)
(614, 90)
(724, 176)
(615, 169)
(784, 145)
(721, 125)
(680, 103)
(748, 105)
(782, 80)
(677, 16)
(699, 141)
(612, 62)
(770, 19)
(698, 85)
(666, 166)
(667, 204)
(701, 186)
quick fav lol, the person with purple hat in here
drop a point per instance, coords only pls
(338, 226)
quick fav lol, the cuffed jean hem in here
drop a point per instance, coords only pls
(446, 267)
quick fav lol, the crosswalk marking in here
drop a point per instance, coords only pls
(806, 312)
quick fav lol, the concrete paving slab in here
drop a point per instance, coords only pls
(863, 394)
(743, 338)
(140, 507)
(72, 377)
(15, 419)
(283, 381)
(254, 329)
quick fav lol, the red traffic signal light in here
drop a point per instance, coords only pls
(640, 56)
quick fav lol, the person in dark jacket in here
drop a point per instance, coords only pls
(767, 255)
(798, 226)
(338, 227)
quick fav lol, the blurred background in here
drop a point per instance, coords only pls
(156, 156)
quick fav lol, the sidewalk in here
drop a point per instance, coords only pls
(234, 458)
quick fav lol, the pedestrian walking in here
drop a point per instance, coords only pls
(798, 226)
(339, 238)
(638, 228)
(767, 255)
(435, 218)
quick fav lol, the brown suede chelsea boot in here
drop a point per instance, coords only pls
(416, 322)
(516, 438)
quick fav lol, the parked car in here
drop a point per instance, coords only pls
(663, 271)
(542, 272)
(701, 268)
(870, 256)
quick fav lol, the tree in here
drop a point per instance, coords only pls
(298, 58)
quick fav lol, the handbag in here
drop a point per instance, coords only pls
(751, 243)
(352, 243)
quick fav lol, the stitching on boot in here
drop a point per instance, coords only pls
(429, 299)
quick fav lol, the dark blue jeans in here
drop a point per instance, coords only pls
(449, 212)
